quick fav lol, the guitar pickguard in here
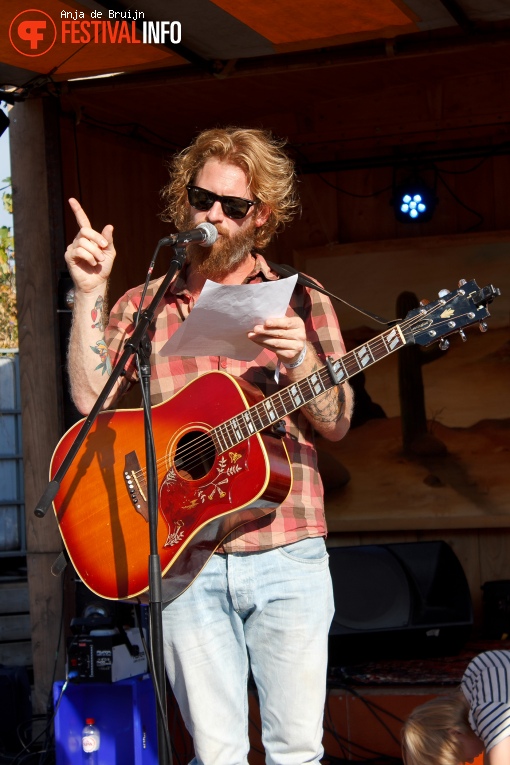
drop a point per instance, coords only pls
(183, 501)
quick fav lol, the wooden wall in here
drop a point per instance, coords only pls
(118, 181)
(353, 206)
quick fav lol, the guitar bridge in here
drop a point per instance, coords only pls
(136, 485)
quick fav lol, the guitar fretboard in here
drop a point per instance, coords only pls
(294, 396)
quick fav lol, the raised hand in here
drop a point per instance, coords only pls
(90, 255)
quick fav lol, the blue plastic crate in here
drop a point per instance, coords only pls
(124, 712)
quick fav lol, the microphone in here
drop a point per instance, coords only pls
(204, 234)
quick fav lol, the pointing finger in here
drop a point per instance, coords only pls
(79, 213)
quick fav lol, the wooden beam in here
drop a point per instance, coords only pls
(374, 51)
(483, 238)
(14, 598)
(35, 224)
(17, 654)
(406, 159)
(14, 627)
(459, 15)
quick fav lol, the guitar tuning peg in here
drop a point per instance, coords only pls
(462, 335)
(444, 344)
(483, 326)
(462, 282)
(443, 293)
(424, 302)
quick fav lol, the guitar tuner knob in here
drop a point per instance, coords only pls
(462, 282)
(443, 293)
(483, 326)
(444, 344)
(462, 335)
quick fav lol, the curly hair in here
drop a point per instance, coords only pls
(270, 173)
(427, 735)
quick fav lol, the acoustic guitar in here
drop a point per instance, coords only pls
(221, 461)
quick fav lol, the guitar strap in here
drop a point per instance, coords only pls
(284, 270)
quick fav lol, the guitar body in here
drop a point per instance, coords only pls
(204, 493)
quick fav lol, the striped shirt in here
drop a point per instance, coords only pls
(486, 686)
(301, 515)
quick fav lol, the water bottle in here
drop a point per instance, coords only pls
(90, 740)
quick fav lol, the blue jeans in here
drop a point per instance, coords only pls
(269, 611)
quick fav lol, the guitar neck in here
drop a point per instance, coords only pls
(294, 396)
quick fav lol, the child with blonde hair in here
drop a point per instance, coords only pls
(456, 728)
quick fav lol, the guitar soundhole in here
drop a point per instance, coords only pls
(195, 455)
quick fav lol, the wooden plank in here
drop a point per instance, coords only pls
(388, 538)
(343, 540)
(14, 598)
(37, 207)
(384, 246)
(363, 207)
(15, 627)
(466, 488)
(374, 274)
(36, 305)
(16, 654)
(501, 169)
(494, 556)
(338, 523)
(46, 594)
(137, 226)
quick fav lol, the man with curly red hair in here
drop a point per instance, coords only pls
(263, 603)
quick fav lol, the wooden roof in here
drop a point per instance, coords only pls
(217, 34)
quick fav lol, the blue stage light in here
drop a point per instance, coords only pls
(413, 202)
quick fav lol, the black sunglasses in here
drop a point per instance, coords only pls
(233, 207)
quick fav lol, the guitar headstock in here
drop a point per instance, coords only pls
(451, 313)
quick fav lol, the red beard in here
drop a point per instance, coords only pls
(228, 252)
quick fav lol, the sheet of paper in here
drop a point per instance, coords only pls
(222, 316)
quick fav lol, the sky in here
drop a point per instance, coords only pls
(5, 172)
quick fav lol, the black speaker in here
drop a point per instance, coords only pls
(408, 600)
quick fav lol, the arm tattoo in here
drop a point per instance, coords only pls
(328, 407)
(105, 365)
(98, 313)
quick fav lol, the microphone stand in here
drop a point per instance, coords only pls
(140, 345)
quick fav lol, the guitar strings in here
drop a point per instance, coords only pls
(203, 449)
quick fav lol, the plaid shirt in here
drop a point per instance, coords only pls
(302, 513)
